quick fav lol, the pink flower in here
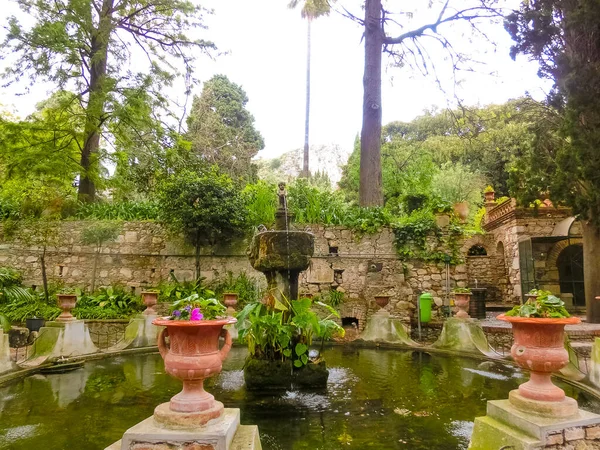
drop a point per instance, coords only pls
(196, 314)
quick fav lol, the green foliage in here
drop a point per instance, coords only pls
(18, 303)
(100, 232)
(367, 220)
(418, 237)
(333, 297)
(145, 210)
(310, 204)
(261, 201)
(38, 157)
(221, 129)
(539, 292)
(456, 183)
(210, 308)
(87, 46)
(246, 288)
(459, 290)
(284, 331)
(113, 302)
(173, 291)
(202, 205)
(545, 305)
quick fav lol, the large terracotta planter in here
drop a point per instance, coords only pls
(462, 300)
(192, 356)
(150, 299)
(66, 302)
(539, 347)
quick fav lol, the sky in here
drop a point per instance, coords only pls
(265, 52)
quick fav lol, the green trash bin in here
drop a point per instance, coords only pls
(425, 300)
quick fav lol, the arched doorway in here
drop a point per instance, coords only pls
(570, 273)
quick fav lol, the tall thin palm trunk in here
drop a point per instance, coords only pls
(305, 170)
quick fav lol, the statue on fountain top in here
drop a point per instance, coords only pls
(282, 193)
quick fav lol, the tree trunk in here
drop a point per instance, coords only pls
(591, 270)
(96, 101)
(305, 170)
(93, 287)
(370, 190)
(44, 276)
(197, 255)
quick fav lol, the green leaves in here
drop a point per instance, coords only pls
(545, 305)
(206, 204)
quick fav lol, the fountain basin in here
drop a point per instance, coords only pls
(272, 251)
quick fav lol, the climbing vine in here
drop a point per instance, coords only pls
(418, 237)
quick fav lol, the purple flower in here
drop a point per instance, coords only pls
(177, 313)
(187, 307)
(196, 314)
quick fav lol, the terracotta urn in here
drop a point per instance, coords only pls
(489, 196)
(539, 347)
(192, 356)
(462, 300)
(66, 302)
(150, 299)
(230, 299)
(462, 210)
(382, 300)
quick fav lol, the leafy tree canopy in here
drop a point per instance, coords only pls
(221, 129)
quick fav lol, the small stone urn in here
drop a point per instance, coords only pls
(462, 300)
(539, 347)
(230, 299)
(150, 298)
(382, 300)
(489, 196)
(192, 356)
(66, 302)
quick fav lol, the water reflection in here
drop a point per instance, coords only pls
(376, 399)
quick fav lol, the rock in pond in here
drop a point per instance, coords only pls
(263, 374)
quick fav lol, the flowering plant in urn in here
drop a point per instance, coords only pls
(538, 328)
(193, 327)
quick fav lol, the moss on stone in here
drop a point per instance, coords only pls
(263, 374)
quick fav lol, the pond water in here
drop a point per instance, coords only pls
(375, 399)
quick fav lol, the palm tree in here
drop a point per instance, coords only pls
(311, 9)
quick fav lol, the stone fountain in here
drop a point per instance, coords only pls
(281, 254)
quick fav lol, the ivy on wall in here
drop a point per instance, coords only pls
(419, 237)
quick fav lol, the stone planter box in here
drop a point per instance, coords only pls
(262, 374)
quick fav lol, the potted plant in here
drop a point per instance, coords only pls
(462, 297)
(535, 293)
(193, 327)
(279, 335)
(150, 299)
(489, 194)
(66, 299)
(538, 329)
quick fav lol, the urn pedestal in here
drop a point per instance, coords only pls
(539, 347)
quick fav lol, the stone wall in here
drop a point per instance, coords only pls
(360, 266)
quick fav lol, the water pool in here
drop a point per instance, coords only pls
(375, 399)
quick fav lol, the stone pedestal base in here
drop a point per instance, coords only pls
(508, 427)
(61, 340)
(565, 409)
(139, 333)
(224, 433)
(464, 335)
(5, 362)
(163, 416)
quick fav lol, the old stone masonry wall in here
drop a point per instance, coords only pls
(360, 266)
